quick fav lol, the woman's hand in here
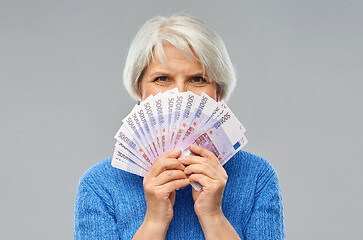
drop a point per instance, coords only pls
(164, 177)
(206, 169)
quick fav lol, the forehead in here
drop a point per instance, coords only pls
(172, 57)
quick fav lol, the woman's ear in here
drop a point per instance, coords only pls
(218, 95)
(139, 91)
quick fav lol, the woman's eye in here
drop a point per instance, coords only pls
(161, 79)
(198, 80)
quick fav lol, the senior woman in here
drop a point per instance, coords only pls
(240, 200)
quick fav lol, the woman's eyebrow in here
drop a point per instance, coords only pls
(165, 73)
(158, 73)
(198, 74)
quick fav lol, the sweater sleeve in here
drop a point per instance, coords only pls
(266, 220)
(94, 218)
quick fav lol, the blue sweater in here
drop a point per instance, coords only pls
(110, 203)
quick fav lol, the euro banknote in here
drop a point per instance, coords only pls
(175, 120)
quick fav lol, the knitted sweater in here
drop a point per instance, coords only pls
(110, 203)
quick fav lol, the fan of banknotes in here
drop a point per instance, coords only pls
(172, 120)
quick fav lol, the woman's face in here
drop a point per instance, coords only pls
(180, 71)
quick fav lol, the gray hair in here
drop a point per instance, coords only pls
(187, 34)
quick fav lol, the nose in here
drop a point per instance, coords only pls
(181, 85)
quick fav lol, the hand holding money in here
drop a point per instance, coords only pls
(207, 170)
(173, 120)
(164, 177)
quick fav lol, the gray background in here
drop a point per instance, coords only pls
(299, 67)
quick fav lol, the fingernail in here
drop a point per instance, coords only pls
(181, 158)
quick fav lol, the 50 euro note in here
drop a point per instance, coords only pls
(224, 139)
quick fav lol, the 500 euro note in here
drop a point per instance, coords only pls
(122, 161)
(225, 138)
(128, 140)
(150, 124)
(134, 126)
(172, 120)
(191, 101)
(203, 111)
